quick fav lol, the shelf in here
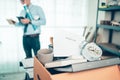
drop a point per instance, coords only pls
(112, 48)
(108, 47)
(112, 8)
(109, 27)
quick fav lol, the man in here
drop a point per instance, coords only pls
(31, 35)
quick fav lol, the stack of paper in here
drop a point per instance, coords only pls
(64, 62)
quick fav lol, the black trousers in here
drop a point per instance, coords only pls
(31, 42)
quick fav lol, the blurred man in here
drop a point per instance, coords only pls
(31, 27)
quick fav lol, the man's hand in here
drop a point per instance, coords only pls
(25, 21)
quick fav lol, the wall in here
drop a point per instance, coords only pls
(91, 19)
(10, 50)
(92, 11)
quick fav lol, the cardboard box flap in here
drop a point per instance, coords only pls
(40, 72)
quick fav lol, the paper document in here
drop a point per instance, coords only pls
(10, 21)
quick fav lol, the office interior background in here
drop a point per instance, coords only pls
(71, 15)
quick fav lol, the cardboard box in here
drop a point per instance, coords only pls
(106, 73)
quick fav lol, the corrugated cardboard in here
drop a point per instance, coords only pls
(106, 73)
(119, 67)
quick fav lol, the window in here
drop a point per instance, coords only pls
(66, 13)
(7, 10)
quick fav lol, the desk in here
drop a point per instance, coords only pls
(28, 66)
(29, 74)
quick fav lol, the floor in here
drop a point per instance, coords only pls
(16, 75)
(13, 76)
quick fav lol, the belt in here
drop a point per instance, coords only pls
(32, 35)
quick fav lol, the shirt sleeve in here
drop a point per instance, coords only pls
(42, 19)
(22, 13)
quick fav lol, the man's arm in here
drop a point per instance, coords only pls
(41, 20)
(20, 17)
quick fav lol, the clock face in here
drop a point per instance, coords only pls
(92, 52)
